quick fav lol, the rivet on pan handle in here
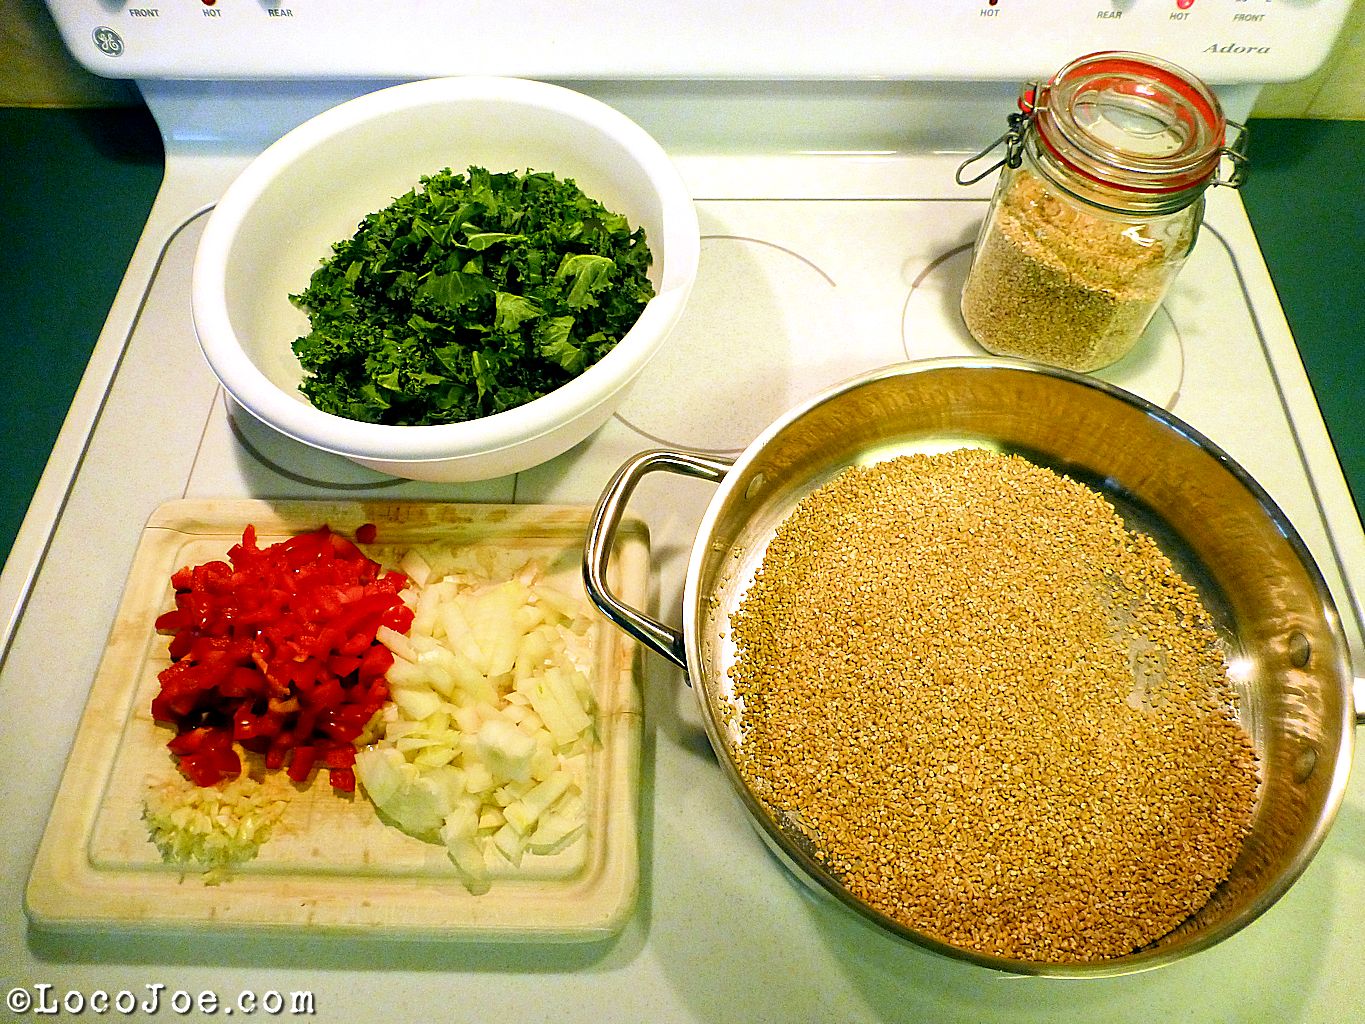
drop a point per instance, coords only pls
(602, 535)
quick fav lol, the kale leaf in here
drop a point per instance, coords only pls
(471, 294)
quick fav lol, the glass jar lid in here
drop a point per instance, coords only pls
(1132, 123)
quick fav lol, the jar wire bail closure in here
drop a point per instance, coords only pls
(1013, 140)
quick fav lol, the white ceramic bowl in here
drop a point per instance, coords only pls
(279, 219)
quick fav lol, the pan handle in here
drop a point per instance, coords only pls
(1356, 666)
(606, 517)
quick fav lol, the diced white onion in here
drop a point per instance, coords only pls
(484, 748)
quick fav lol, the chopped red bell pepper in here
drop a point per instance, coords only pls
(275, 649)
(206, 755)
(302, 762)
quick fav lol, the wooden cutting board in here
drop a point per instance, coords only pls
(331, 864)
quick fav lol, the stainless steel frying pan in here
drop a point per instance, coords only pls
(1224, 533)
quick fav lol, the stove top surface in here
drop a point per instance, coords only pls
(814, 268)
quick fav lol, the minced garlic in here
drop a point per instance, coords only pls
(212, 828)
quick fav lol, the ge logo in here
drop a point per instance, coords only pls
(110, 43)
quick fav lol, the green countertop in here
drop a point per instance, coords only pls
(80, 184)
(1306, 201)
(77, 188)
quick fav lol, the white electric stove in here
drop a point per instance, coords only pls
(819, 142)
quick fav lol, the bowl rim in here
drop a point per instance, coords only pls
(599, 383)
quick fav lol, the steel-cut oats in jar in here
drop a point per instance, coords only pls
(1067, 286)
(1098, 205)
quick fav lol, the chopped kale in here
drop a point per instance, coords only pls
(471, 294)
